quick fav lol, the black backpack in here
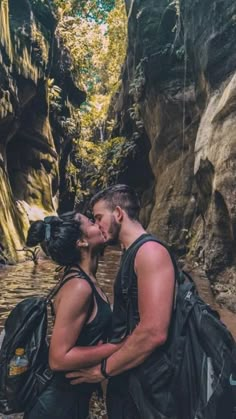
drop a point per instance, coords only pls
(26, 327)
(193, 376)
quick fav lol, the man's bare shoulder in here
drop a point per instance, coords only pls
(152, 253)
(153, 248)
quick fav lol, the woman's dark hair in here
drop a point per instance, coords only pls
(59, 235)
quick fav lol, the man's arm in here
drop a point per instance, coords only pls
(155, 276)
(156, 279)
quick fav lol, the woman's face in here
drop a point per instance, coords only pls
(91, 231)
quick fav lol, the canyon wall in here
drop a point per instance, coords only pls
(33, 145)
(178, 101)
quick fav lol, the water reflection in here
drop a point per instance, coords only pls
(27, 279)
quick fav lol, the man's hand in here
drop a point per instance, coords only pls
(88, 375)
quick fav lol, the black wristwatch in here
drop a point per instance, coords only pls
(103, 369)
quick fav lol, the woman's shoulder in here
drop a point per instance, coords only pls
(73, 290)
(77, 283)
(74, 297)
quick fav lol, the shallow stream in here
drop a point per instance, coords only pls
(27, 279)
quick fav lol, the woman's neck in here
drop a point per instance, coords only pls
(89, 265)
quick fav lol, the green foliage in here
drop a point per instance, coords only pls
(96, 10)
(95, 33)
(99, 164)
(98, 52)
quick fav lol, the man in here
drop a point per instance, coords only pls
(116, 211)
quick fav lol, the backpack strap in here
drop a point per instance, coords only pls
(69, 273)
(128, 263)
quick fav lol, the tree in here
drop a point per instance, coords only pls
(97, 10)
(95, 33)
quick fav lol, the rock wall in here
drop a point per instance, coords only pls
(32, 140)
(179, 97)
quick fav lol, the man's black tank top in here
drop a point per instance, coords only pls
(120, 315)
(121, 325)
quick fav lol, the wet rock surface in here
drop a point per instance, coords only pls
(178, 97)
(33, 141)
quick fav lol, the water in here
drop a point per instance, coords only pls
(27, 279)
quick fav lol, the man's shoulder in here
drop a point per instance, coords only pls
(144, 244)
(152, 245)
(151, 251)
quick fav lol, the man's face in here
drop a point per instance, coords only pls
(106, 220)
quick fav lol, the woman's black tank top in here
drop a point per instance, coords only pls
(100, 326)
(93, 332)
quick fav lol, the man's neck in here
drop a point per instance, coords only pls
(130, 232)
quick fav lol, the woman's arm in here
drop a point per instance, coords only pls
(71, 314)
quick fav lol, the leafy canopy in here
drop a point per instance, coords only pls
(97, 10)
(95, 33)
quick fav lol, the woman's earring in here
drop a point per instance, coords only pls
(82, 243)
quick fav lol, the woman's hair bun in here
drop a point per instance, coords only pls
(40, 230)
(36, 233)
(58, 236)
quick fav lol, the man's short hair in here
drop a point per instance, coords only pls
(119, 195)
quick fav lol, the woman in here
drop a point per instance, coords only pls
(82, 313)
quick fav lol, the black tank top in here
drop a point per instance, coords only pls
(121, 324)
(100, 326)
(120, 315)
(93, 332)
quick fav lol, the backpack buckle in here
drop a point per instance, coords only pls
(47, 374)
